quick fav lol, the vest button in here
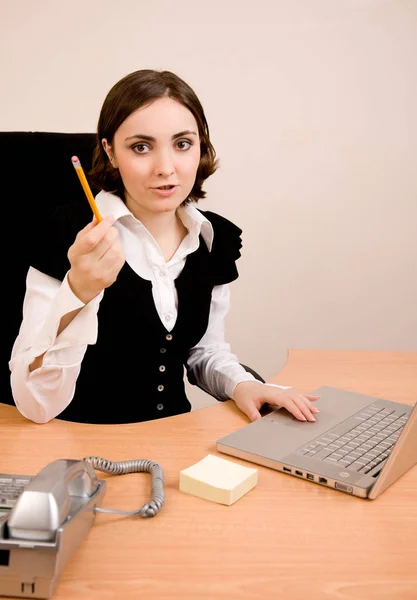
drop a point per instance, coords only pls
(159, 406)
(168, 337)
(162, 350)
(162, 368)
(160, 388)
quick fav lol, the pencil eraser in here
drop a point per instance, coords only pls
(218, 480)
(74, 159)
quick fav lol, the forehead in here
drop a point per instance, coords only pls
(163, 117)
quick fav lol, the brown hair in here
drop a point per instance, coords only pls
(134, 91)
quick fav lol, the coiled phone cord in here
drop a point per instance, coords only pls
(134, 466)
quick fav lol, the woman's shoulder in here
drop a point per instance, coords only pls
(227, 243)
(221, 223)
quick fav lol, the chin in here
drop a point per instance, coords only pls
(166, 206)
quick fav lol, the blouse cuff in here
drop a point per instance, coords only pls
(281, 387)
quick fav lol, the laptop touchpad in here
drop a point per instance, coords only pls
(302, 431)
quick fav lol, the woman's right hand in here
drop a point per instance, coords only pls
(96, 257)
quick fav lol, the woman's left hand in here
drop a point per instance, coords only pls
(250, 396)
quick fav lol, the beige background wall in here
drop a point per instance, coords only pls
(312, 110)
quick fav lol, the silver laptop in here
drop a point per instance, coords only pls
(359, 444)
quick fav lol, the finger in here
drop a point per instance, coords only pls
(92, 234)
(302, 411)
(94, 222)
(98, 249)
(310, 399)
(113, 260)
(292, 408)
(106, 244)
(311, 406)
(253, 413)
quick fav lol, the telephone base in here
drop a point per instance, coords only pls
(31, 568)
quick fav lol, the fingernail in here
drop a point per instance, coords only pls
(315, 410)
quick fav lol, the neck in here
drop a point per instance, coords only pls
(159, 224)
(166, 228)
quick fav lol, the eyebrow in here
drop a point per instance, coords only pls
(150, 138)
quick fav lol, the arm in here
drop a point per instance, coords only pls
(212, 364)
(65, 321)
(60, 320)
(45, 361)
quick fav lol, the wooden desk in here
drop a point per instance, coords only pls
(287, 538)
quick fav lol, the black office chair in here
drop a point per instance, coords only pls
(37, 175)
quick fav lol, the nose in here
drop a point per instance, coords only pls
(164, 164)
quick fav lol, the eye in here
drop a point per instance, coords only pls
(184, 144)
(140, 148)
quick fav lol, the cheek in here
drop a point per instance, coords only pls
(192, 162)
(133, 169)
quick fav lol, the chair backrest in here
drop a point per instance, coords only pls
(37, 174)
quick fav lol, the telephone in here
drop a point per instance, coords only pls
(43, 519)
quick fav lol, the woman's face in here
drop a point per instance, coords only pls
(157, 152)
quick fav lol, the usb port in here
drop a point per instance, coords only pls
(286, 469)
(300, 473)
(323, 480)
(310, 476)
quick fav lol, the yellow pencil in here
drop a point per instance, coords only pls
(81, 176)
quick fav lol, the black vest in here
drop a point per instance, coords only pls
(135, 371)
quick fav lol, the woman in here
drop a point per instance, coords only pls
(114, 310)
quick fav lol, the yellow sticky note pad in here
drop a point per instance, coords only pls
(218, 480)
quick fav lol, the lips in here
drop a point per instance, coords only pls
(164, 191)
(164, 187)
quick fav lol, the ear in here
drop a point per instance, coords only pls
(109, 151)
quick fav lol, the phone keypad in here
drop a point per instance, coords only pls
(11, 486)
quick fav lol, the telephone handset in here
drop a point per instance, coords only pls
(56, 493)
(47, 516)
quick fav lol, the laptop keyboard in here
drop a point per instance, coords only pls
(361, 442)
